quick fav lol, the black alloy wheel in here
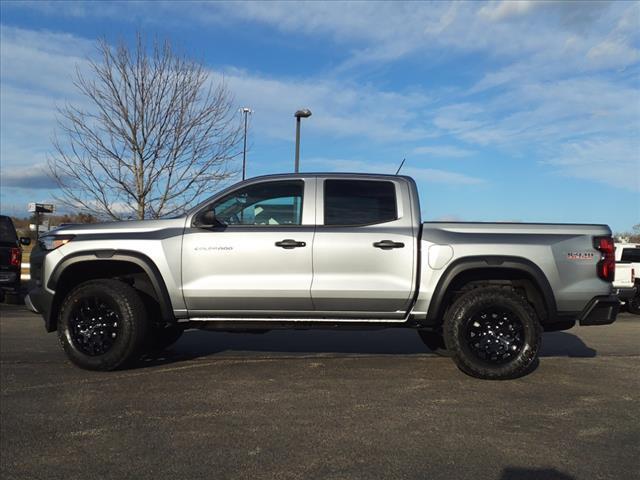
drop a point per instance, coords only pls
(94, 325)
(495, 335)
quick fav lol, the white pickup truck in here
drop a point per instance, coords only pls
(322, 250)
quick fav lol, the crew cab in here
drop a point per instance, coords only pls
(322, 251)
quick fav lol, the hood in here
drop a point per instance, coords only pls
(138, 226)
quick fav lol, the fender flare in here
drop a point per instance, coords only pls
(145, 263)
(492, 262)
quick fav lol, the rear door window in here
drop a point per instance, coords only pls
(359, 202)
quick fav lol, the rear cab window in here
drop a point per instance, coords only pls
(359, 202)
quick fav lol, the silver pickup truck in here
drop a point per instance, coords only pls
(322, 251)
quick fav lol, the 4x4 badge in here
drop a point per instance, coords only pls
(580, 255)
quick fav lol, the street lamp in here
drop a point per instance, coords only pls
(246, 111)
(303, 113)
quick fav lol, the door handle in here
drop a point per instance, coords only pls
(289, 244)
(388, 244)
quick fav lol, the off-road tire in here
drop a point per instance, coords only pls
(458, 322)
(434, 342)
(132, 324)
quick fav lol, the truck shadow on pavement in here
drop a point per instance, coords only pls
(198, 344)
(518, 473)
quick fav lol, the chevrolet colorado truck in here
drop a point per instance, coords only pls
(322, 251)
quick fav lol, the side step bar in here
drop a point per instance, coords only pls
(264, 324)
(294, 320)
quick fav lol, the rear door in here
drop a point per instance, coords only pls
(258, 263)
(364, 250)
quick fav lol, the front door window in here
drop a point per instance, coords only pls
(271, 203)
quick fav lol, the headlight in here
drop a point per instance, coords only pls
(51, 242)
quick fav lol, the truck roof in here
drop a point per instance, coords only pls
(328, 174)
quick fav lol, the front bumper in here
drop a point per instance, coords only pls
(40, 301)
(600, 310)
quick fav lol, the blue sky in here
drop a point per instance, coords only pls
(505, 111)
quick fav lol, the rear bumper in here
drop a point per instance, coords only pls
(40, 301)
(626, 293)
(600, 310)
(10, 280)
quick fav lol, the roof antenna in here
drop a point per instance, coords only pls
(401, 164)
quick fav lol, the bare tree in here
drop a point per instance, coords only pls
(155, 135)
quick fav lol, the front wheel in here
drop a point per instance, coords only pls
(493, 333)
(102, 324)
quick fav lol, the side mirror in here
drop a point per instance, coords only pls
(25, 241)
(206, 219)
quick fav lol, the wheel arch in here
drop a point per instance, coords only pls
(80, 267)
(470, 270)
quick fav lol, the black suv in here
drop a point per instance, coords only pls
(10, 257)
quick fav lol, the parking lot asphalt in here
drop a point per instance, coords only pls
(319, 404)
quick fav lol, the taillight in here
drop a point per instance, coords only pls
(607, 265)
(16, 257)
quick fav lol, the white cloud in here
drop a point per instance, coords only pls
(340, 109)
(558, 79)
(41, 60)
(384, 31)
(614, 162)
(32, 177)
(443, 151)
(504, 9)
(36, 70)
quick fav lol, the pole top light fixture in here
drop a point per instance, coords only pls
(304, 113)
(246, 110)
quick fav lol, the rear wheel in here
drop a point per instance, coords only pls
(102, 324)
(493, 333)
(434, 342)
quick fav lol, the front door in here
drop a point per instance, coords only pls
(258, 262)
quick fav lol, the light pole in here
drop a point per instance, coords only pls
(304, 113)
(246, 111)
